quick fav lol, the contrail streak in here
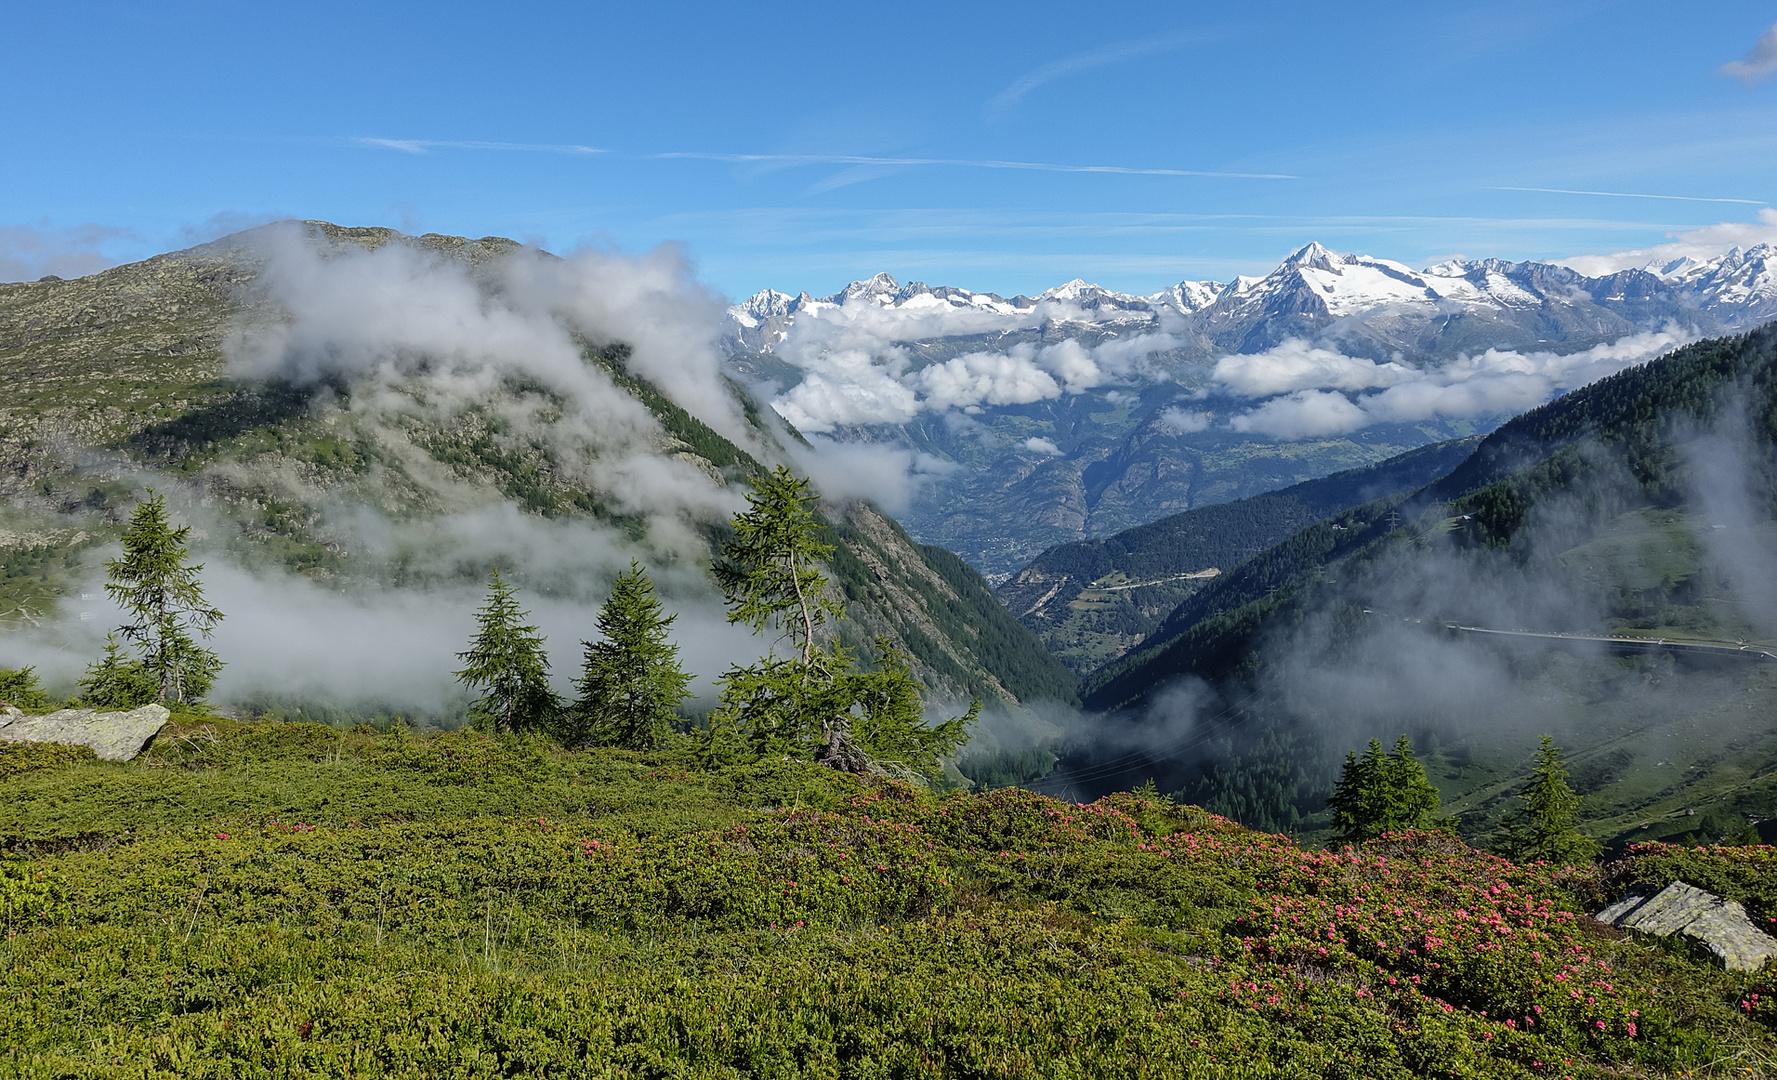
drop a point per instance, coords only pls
(1631, 195)
(966, 163)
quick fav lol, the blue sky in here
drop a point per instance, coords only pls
(799, 146)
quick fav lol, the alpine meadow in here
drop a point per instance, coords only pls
(744, 618)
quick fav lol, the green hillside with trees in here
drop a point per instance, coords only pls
(122, 379)
(597, 888)
(1091, 601)
(1614, 443)
(1592, 516)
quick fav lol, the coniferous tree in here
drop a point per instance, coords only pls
(770, 568)
(1353, 799)
(1382, 791)
(771, 577)
(507, 661)
(1546, 826)
(18, 688)
(154, 585)
(812, 703)
(1413, 798)
(890, 724)
(115, 681)
(631, 681)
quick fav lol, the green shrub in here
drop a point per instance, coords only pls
(26, 898)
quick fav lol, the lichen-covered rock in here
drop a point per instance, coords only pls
(1719, 925)
(114, 736)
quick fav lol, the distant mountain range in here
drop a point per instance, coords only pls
(1316, 290)
(1082, 411)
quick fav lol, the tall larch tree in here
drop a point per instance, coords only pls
(160, 591)
(507, 662)
(813, 703)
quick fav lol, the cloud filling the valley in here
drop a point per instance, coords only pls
(1323, 393)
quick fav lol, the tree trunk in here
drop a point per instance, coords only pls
(841, 751)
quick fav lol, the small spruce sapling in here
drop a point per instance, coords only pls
(18, 688)
(155, 585)
(507, 662)
(115, 681)
(631, 683)
(1546, 827)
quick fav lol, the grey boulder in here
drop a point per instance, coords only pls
(1719, 925)
(114, 736)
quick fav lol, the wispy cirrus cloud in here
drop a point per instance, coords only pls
(1004, 104)
(865, 165)
(421, 146)
(1759, 64)
(791, 160)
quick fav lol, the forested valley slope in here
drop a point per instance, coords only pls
(1622, 540)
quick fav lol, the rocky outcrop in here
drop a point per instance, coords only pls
(113, 736)
(1719, 925)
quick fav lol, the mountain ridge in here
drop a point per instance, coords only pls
(1736, 288)
(419, 466)
(1092, 601)
(1080, 412)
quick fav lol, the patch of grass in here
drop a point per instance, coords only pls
(297, 899)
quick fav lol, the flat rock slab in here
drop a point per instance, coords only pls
(114, 736)
(1719, 925)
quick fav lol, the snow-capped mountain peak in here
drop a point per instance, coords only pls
(1744, 279)
(878, 287)
(761, 306)
(1316, 287)
(1314, 255)
(1071, 290)
(1191, 296)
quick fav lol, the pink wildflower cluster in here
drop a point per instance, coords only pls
(1451, 928)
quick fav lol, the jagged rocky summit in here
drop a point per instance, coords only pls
(1719, 925)
(113, 736)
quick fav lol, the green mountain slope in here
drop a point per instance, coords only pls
(1638, 509)
(1092, 601)
(124, 380)
(1615, 443)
